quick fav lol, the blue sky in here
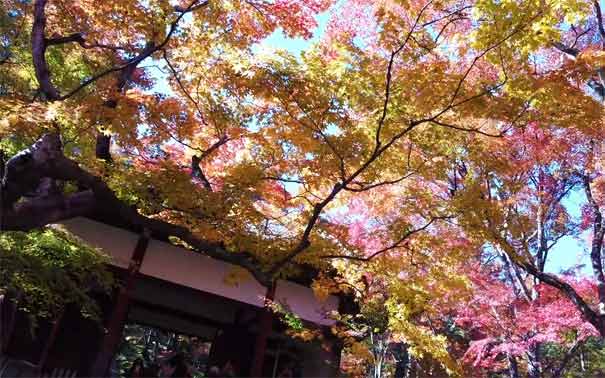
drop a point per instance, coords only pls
(568, 252)
(278, 40)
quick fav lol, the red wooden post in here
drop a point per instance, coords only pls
(264, 330)
(3, 322)
(118, 317)
(50, 341)
(8, 326)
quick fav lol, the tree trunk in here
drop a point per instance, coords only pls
(596, 252)
(402, 358)
(534, 365)
(513, 368)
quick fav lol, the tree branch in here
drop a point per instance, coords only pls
(182, 87)
(597, 7)
(396, 244)
(39, 50)
(565, 49)
(460, 128)
(40, 43)
(197, 172)
(389, 74)
(363, 188)
(74, 37)
(587, 312)
(45, 159)
(567, 358)
(39, 212)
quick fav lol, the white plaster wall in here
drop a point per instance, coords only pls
(183, 267)
(187, 268)
(301, 300)
(115, 242)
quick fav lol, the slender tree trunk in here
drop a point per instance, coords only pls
(414, 368)
(596, 252)
(2, 165)
(575, 348)
(534, 364)
(379, 354)
(513, 367)
(402, 358)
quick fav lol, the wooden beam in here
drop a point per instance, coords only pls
(119, 315)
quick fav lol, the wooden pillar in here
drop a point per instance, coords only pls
(50, 341)
(119, 314)
(264, 330)
(4, 323)
(8, 320)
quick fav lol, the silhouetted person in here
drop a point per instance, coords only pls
(214, 372)
(175, 366)
(287, 371)
(228, 370)
(152, 370)
(137, 369)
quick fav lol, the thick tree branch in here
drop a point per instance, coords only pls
(196, 172)
(574, 52)
(40, 43)
(566, 289)
(196, 160)
(75, 37)
(45, 160)
(39, 50)
(39, 212)
(80, 40)
(103, 146)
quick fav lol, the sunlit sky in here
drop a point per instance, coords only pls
(571, 251)
(568, 252)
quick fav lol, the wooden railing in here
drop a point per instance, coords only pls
(61, 373)
(10, 368)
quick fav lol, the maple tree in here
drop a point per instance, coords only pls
(512, 334)
(409, 137)
(522, 197)
(519, 200)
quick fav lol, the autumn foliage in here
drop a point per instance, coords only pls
(425, 158)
